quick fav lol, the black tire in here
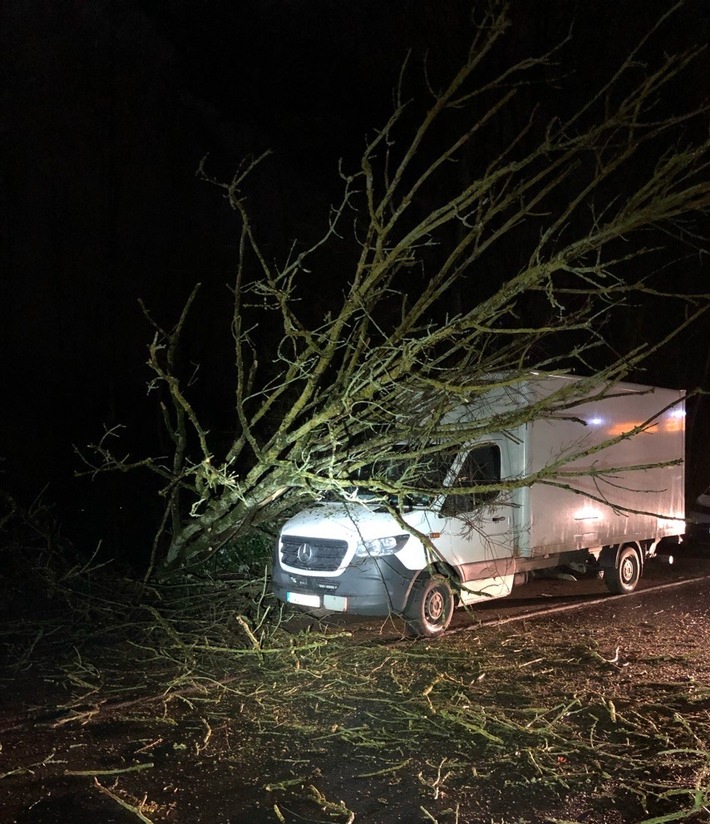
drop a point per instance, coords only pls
(430, 607)
(625, 575)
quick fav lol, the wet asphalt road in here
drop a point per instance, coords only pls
(663, 583)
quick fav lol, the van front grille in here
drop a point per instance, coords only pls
(318, 554)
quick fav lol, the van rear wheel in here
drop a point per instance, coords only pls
(430, 607)
(624, 576)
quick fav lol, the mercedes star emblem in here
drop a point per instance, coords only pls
(305, 553)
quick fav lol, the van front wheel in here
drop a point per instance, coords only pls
(430, 607)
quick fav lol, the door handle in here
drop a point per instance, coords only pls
(498, 519)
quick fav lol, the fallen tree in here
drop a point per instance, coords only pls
(480, 245)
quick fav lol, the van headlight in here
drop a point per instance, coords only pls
(381, 546)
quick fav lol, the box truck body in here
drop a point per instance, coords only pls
(596, 481)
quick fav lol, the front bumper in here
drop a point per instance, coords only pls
(369, 586)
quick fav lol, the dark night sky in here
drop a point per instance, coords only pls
(108, 107)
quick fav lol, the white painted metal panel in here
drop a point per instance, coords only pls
(633, 488)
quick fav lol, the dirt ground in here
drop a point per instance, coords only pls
(598, 715)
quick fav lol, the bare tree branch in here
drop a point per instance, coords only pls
(589, 203)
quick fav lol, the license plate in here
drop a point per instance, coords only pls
(336, 603)
(303, 600)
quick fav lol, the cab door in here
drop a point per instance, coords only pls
(477, 535)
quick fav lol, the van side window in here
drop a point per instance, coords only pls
(480, 467)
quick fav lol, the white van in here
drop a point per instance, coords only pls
(616, 492)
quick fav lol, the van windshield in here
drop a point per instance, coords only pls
(416, 476)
